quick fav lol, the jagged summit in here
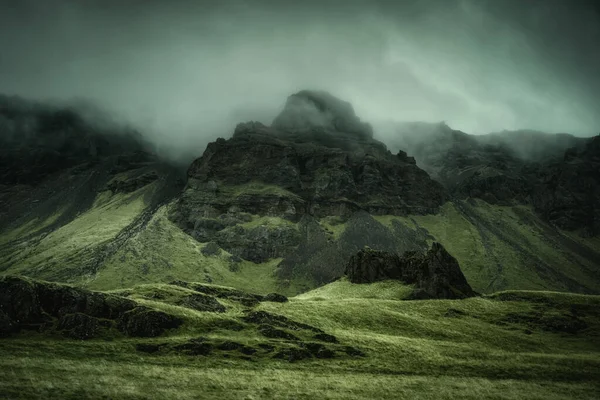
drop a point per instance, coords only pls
(333, 168)
(299, 172)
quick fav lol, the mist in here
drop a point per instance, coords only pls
(186, 72)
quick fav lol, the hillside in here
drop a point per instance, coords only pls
(282, 207)
(341, 341)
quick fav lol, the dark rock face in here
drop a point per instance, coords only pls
(274, 333)
(30, 304)
(79, 326)
(7, 327)
(201, 302)
(275, 297)
(435, 274)
(143, 322)
(369, 266)
(76, 313)
(317, 159)
(294, 178)
(325, 337)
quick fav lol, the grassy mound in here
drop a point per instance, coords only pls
(341, 341)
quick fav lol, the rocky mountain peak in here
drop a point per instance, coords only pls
(329, 169)
(298, 170)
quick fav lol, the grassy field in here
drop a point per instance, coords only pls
(510, 345)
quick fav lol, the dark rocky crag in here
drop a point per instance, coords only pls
(316, 160)
(435, 274)
(76, 313)
(319, 169)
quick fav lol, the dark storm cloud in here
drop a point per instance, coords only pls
(188, 70)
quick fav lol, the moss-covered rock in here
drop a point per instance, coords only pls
(275, 297)
(28, 304)
(79, 326)
(201, 302)
(435, 274)
(144, 322)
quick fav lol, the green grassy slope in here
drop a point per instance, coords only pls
(123, 240)
(511, 248)
(510, 345)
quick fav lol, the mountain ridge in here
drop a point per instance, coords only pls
(282, 208)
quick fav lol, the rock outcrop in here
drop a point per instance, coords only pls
(317, 159)
(75, 313)
(435, 274)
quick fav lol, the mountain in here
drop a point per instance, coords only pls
(123, 276)
(284, 207)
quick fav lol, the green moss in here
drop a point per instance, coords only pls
(255, 188)
(344, 289)
(72, 245)
(266, 221)
(30, 227)
(164, 253)
(501, 247)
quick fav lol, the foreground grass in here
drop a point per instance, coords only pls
(498, 347)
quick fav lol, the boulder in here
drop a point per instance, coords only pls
(79, 326)
(275, 297)
(202, 302)
(7, 327)
(435, 274)
(19, 301)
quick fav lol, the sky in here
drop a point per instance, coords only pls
(186, 72)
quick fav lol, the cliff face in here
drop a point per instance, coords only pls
(318, 160)
(304, 165)
(319, 168)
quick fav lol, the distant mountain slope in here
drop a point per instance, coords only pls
(282, 207)
(558, 175)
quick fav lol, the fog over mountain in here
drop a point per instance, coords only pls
(186, 72)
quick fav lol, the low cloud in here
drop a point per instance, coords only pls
(187, 72)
